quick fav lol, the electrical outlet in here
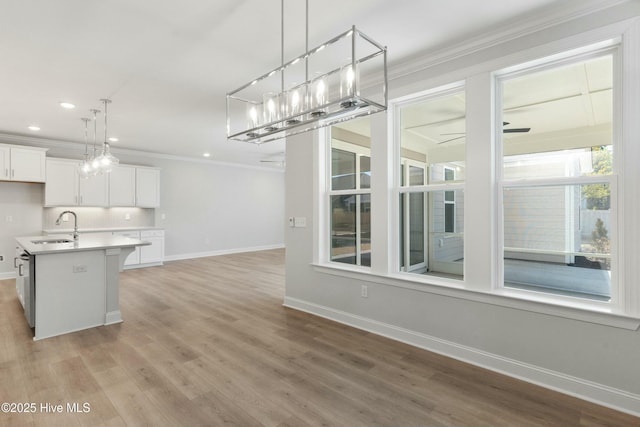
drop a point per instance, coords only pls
(127, 216)
(364, 291)
(9, 218)
(79, 268)
(65, 217)
(292, 221)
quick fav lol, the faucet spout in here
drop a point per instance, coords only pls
(75, 223)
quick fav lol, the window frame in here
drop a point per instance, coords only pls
(358, 192)
(480, 275)
(426, 188)
(616, 301)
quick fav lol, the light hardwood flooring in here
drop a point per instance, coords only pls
(207, 342)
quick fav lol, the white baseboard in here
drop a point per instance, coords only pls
(587, 390)
(113, 317)
(221, 252)
(8, 275)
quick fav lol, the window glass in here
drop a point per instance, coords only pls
(557, 140)
(432, 152)
(558, 122)
(351, 212)
(343, 169)
(556, 240)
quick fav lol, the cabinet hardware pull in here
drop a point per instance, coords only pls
(15, 262)
(20, 270)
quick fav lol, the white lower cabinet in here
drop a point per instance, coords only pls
(134, 257)
(148, 255)
(153, 253)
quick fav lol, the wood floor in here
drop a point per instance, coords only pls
(207, 342)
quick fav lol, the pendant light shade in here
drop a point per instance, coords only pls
(106, 161)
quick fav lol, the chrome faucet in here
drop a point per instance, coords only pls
(75, 222)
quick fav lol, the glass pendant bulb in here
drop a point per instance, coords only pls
(106, 161)
(93, 162)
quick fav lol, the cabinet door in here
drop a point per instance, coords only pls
(27, 165)
(134, 257)
(147, 187)
(122, 186)
(61, 188)
(5, 166)
(155, 252)
(94, 191)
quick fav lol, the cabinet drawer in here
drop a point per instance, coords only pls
(151, 233)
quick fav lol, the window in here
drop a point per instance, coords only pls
(558, 182)
(542, 152)
(350, 194)
(432, 161)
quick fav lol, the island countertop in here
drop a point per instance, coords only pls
(86, 242)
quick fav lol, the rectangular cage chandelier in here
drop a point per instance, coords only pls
(337, 81)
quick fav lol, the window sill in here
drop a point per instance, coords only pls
(502, 297)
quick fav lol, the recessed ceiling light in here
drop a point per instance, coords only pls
(67, 105)
(34, 128)
(113, 139)
(207, 154)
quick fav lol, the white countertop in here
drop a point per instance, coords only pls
(85, 242)
(97, 230)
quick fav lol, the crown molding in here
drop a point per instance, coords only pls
(17, 139)
(520, 28)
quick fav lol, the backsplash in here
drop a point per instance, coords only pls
(96, 218)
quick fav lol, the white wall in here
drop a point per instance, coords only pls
(210, 208)
(20, 215)
(594, 361)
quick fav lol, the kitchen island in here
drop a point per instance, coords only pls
(70, 284)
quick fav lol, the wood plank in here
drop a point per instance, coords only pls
(207, 342)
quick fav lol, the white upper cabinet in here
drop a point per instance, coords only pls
(147, 187)
(125, 185)
(122, 186)
(93, 191)
(26, 164)
(65, 188)
(61, 188)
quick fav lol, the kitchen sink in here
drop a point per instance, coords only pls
(51, 241)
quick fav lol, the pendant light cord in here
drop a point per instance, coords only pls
(95, 130)
(282, 45)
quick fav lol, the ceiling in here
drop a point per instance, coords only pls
(168, 65)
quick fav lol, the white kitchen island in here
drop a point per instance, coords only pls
(75, 284)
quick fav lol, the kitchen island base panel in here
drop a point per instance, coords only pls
(70, 293)
(76, 281)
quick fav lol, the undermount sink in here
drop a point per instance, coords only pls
(50, 241)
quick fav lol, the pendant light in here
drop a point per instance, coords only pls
(277, 105)
(95, 166)
(84, 168)
(106, 161)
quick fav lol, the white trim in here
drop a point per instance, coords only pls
(113, 317)
(193, 255)
(8, 275)
(588, 390)
(529, 25)
(52, 143)
(587, 311)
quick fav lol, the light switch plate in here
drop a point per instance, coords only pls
(300, 221)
